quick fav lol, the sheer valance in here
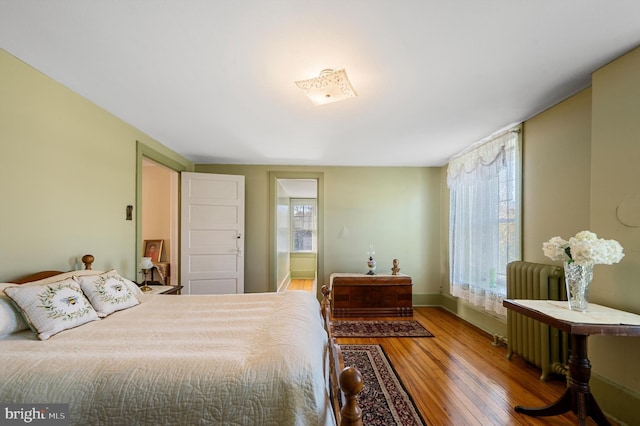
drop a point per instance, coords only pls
(481, 158)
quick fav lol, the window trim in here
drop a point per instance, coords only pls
(314, 230)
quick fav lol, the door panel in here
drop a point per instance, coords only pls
(212, 217)
(225, 190)
(212, 238)
(212, 233)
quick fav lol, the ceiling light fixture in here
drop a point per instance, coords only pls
(330, 86)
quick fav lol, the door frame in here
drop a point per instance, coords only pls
(143, 150)
(273, 215)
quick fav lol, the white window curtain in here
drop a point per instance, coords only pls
(484, 219)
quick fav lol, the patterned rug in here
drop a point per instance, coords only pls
(384, 400)
(400, 328)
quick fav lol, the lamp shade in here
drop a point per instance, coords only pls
(330, 86)
(146, 263)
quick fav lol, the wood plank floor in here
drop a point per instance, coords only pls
(301, 284)
(459, 378)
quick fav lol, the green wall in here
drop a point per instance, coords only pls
(556, 173)
(615, 180)
(395, 208)
(303, 265)
(282, 235)
(67, 173)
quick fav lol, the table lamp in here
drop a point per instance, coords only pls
(146, 265)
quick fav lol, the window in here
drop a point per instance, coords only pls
(484, 219)
(303, 225)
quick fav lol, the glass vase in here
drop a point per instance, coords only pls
(577, 279)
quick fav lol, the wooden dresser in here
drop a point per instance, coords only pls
(362, 295)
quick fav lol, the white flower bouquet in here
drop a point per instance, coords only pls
(583, 249)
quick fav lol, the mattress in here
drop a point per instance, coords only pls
(251, 359)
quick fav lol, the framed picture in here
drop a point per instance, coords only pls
(153, 249)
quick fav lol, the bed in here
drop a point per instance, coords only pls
(249, 359)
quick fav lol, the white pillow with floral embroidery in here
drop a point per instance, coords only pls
(52, 308)
(132, 286)
(11, 320)
(107, 293)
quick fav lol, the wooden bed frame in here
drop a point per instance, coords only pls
(345, 382)
(87, 260)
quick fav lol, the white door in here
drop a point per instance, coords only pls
(212, 233)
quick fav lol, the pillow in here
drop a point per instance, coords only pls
(11, 320)
(84, 272)
(133, 287)
(52, 308)
(107, 293)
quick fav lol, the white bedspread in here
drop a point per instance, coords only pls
(253, 359)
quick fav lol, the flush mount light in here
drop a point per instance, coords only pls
(330, 86)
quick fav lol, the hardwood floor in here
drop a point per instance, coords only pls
(459, 378)
(301, 284)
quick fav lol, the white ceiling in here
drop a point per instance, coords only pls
(300, 188)
(214, 80)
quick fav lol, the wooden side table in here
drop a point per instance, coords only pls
(580, 325)
(362, 295)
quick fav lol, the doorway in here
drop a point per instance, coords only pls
(145, 154)
(296, 228)
(160, 218)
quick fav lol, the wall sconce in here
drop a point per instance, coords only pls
(330, 86)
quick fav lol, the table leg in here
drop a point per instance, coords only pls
(577, 397)
(561, 406)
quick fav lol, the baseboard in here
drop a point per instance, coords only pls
(427, 299)
(490, 324)
(284, 284)
(613, 398)
(303, 275)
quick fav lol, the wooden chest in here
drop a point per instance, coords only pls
(362, 295)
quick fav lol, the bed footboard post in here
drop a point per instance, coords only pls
(326, 302)
(345, 383)
(351, 385)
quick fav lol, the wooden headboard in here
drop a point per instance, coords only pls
(87, 259)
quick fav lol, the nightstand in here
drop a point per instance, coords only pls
(164, 289)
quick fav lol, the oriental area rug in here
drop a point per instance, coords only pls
(384, 399)
(398, 328)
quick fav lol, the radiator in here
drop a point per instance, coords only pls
(539, 344)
